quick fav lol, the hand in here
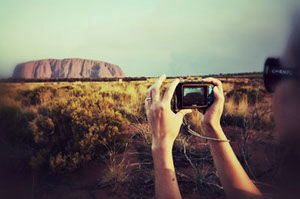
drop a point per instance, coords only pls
(212, 116)
(164, 123)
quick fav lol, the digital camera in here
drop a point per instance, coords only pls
(194, 95)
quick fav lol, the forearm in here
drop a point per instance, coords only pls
(234, 179)
(166, 185)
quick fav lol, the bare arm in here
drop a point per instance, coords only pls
(234, 179)
(166, 185)
(165, 126)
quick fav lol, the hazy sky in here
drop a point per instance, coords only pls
(146, 37)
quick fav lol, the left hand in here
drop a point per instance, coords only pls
(164, 123)
(212, 116)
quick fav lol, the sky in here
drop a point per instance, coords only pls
(146, 37)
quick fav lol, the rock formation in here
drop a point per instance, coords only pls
(66, 68)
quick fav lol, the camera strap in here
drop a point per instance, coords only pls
(187, 127)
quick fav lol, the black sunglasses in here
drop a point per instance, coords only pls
(275, 72)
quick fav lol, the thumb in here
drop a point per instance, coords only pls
(184, 112)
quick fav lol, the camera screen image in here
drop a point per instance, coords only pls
(194, 96)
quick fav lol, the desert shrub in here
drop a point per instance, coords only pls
(194, 119)
(68, 130)
(141, 183)
(233, 120)
(72, 133)
(247, 122)
(206, 180)
(253, 96)
(247, 109)
(116, 174)
(36, 96)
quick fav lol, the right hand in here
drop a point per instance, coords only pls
(212, 116)
(164, 123)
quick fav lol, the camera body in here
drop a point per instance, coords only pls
(194, 95)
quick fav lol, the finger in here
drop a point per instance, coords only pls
(212, 80)
(158, 81)
(155, 88)
(184, 112)
(218, 100)
(216, 82)
(169, 92)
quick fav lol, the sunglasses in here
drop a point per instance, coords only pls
(275, 72)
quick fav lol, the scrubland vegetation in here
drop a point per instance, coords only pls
(60, 128)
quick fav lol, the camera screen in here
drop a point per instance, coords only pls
(194, 96)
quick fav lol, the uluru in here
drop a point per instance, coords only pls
(66, 68)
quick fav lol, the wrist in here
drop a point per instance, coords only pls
(161, 149)
(162, 145)
(162, 157)
(213, 128)
(215, 131)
